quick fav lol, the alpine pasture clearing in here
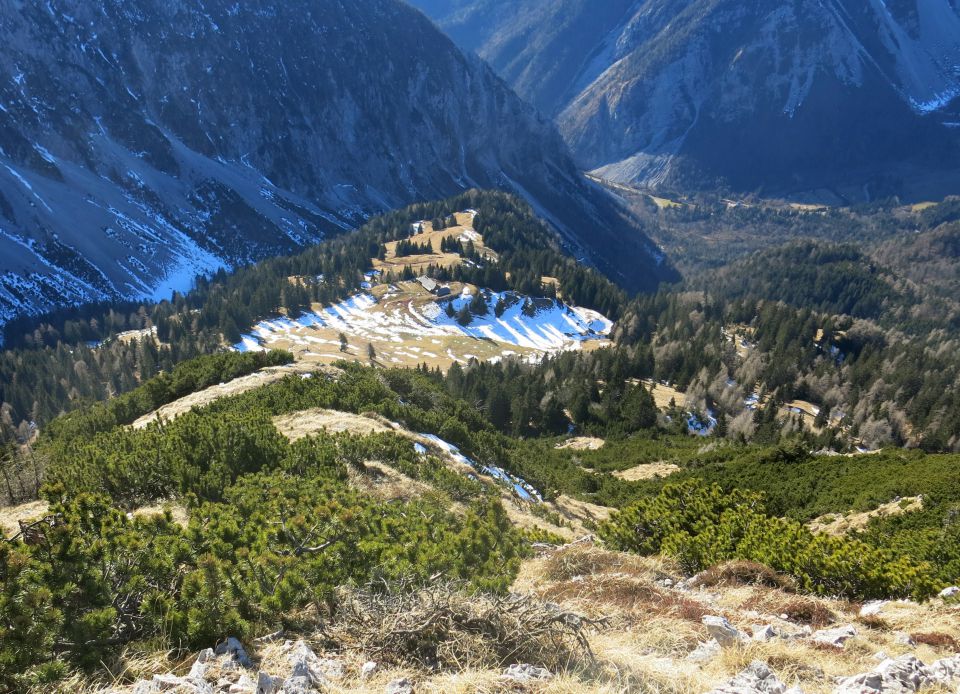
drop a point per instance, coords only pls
(405, 326)
(425, 233)
(402, 324)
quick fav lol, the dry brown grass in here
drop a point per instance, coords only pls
(604, 583)
(11, 516)
(178, 513)
(807, 610)
(585, 559)
(391, 263)
(581, 515)
(834, 524)
(384, 482)
(937, 640)
(450, 641)
(875, 622)
(663, 395)
(299, 425)
(743, 573)
(235, 387)
(647, 471)
(582, 443)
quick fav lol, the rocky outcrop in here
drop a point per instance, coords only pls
(756, 679)
(902, 675)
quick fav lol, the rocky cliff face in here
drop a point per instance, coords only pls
(774, 93)
(144, 141)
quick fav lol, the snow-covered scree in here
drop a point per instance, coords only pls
(545, 326)
(521, 488)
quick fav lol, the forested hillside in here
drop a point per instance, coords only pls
(178, 491)
(58, 361)
(864, 342)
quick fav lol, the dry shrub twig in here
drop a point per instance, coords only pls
(448, 626)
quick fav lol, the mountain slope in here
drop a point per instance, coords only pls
(784, 95)
(143, 142)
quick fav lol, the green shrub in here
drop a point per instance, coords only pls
(702, 526)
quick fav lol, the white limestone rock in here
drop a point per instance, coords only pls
(835, 637)
(235, 650)
(527, 673)
(756, 679)
(723, 632)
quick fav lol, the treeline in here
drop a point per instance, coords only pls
(710, 231)
(276, 527)
(826, 278)
(407, 247)
(596, 392)
(843, 280)
(182, 380)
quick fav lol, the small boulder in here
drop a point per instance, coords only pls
(244, 685)
(332, 669)
(199, 668)
(170, 683)
(400, 686)
(266, 684)
(305, 663)
(872, 608)
(705, 651)
(864, 683)
(527, 673)
(235, 650)
(297, 684)
(904, 639)
(945, 672)
(722, 631)
(900, 676)
(951, 592)
(906, 671)
(835, 637)
(756, 679)
(368, 669)
(764, 633)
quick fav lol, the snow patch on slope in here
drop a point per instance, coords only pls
(546, 327)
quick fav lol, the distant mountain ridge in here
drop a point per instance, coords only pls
(774, 94)
(145, 141)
